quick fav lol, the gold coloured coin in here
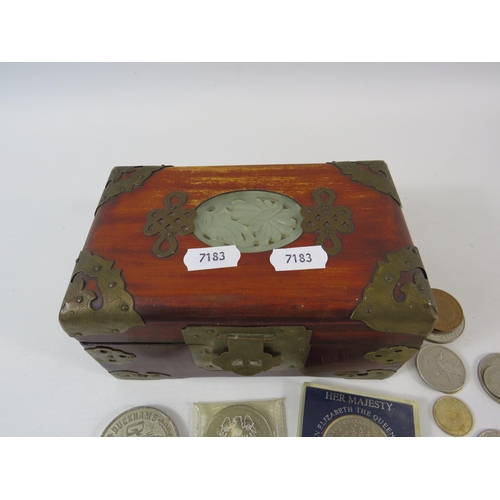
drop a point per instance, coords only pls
(238, 421)
(353, 426)
(141, 421)
(452, 416)
(450, 314)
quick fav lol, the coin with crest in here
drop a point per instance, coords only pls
(441, 368)
(450, 314)
(353, 426)
(238, 421)
(141, 421)
(452, 416)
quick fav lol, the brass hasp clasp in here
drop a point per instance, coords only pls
(248, 350)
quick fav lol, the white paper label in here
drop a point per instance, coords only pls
(299, 258)
(199, 259)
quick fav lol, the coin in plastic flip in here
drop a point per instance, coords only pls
(141, 421)
(238, 421)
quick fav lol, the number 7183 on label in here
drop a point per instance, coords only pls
(198, 259)
(299, 258)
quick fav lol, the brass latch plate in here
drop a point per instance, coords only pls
(248, 350)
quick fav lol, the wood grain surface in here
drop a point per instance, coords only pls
(169, 297)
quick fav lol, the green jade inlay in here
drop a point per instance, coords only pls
(254, 221)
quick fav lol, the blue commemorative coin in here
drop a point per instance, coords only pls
(324, 406)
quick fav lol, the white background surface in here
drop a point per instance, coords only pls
(64, 126)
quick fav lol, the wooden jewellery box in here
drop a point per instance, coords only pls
(250, 270)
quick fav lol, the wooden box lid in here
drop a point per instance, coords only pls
(130, 283)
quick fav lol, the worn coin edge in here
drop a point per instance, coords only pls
(435, 335)
(480, 372)
(484, 433)
(135, 408)
(490, 368)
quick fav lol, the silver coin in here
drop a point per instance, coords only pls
(238, 421)
(446, 337)
(489, 433)
(353, 426)
(491, 378)
(441, 368)
(141, 421)
(492, 360)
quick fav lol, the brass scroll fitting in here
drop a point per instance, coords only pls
(391, 355)
(379, 374)
(125, 179)
(80, 315)
(374, 174)
(168, 222)
(399, 297)
(105, 354)
(130, 375)
(327, 220)
(248, 350)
